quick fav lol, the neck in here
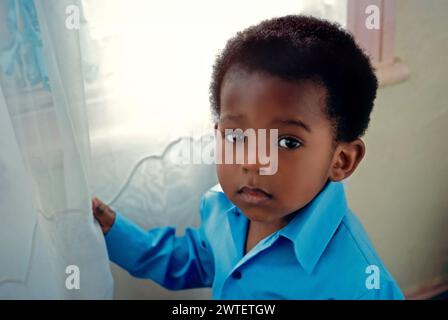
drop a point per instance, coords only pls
(267, 228)
(260, 230)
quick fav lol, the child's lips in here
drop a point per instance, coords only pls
(253, 195)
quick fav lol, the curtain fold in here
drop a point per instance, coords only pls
(18, 216)
(45, 157)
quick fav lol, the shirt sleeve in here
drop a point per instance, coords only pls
(175, 262)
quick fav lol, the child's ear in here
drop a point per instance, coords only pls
(346, 158)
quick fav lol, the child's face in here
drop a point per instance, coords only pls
(257, 100)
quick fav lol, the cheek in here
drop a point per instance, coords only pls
(220, 171)
(226, 175)
(301, 176)
(304, 165)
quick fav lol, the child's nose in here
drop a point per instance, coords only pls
(247, 167)
(252, 161)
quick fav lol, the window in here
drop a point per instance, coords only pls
(379, 43)
(372, 22)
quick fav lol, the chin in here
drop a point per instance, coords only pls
(259, 215)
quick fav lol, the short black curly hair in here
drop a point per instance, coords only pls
(297, 47)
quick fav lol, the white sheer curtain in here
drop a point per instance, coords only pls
(94, 111)
(46, 221)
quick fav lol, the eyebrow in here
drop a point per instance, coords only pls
(292, 122)
(285, 122)
(231, 117)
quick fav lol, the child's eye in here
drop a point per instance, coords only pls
(289, 143)
(234, 137)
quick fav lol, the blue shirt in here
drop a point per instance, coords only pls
(322, 253)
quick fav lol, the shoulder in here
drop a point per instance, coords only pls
(352, 254)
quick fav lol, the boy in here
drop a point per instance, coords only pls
(289, 235)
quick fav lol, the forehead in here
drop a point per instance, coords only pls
(260, 97)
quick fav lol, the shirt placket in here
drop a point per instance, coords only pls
(235, 274)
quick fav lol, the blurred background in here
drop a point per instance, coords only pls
(97, 95)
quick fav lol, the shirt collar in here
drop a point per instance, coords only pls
(313, 226)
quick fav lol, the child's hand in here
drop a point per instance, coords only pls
(103, 214)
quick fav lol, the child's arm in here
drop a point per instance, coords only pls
(175, 262)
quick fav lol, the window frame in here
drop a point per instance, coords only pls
(379, 44)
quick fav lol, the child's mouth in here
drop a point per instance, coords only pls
(253, 195)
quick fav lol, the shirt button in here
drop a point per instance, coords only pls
(236, 275)
(203, 244)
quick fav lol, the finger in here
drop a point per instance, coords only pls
(100, 209)
(93, 204)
